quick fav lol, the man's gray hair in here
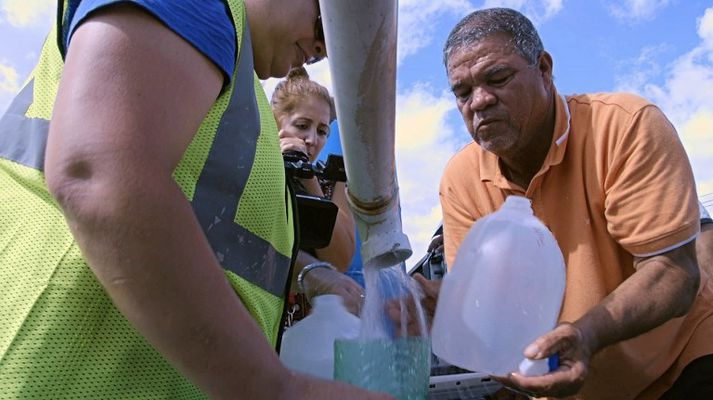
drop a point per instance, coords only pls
(482, 23)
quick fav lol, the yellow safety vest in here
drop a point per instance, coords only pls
(60, 335)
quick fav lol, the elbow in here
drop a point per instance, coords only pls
(68, 183)
(86, 194)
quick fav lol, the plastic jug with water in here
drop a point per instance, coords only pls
(504, 290)
(308, 346)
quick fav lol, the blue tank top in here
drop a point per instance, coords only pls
(205, 24)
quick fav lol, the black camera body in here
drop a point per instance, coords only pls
(316, 215)
(297, 164)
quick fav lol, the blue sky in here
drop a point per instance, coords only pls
(660, 49)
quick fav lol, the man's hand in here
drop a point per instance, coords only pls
(628, 311)
(574, 350)
(412, 327)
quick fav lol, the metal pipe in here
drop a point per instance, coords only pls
(361, 45)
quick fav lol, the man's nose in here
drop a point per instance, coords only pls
(482, 99)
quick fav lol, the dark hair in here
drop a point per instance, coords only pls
(482, 23)
(296, 87)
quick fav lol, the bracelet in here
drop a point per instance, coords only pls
(310, 267)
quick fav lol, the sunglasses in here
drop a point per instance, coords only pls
(318, 35)
(318, 29)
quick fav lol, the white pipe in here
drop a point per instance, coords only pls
(361, 46)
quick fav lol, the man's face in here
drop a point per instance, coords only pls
(503, 99)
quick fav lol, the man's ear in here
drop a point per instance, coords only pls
(545, 66)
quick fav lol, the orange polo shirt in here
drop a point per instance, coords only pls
(615, 183)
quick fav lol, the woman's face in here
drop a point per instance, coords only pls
(284, 36)
(307, 127)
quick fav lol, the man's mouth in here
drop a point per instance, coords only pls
(485, 122)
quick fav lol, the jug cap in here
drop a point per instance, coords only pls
(518, 203)
(327, 300)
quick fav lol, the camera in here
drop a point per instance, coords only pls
(297, 164)
(316, 215)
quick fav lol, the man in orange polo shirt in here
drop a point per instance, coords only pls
(609, 176)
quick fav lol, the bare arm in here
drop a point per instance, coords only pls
(628, 311)
(704, 251)
(340, 250)
(131, 98)
(321, 281)
(631, 309)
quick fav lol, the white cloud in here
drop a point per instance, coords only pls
(686, 96)
(705, 28)
(643, 69)
(417, 22)
(424, 143)
(697, 136)
(22, 13)
(9, 85)
(537, 10)
(418, 18)
(637, 10)
(9, 79)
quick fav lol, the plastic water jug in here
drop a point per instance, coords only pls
(504, 290)
(308, 346)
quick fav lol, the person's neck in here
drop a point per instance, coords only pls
(520, 171)
(522, 167)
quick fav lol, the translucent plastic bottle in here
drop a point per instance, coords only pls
(504, 290)
(308, 346)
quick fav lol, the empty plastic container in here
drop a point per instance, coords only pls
(308, 346)
(505, 290)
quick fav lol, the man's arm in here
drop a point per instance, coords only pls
(132, 96)
(663, 287)
(631, 309)
(704, 245)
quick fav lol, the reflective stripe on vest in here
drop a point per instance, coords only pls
(23, 139)
(217, 194)
(215, 200)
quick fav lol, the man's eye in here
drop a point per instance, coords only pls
(500, 81)
(322, 132)
(462, 96)
(302, 126)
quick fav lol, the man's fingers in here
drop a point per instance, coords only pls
(430, 288)
(558, 340)
(563, 382)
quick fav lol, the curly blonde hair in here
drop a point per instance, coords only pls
(296, 87)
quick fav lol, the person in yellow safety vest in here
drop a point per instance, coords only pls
(146, 231)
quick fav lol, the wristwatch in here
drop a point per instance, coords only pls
(310, 267)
